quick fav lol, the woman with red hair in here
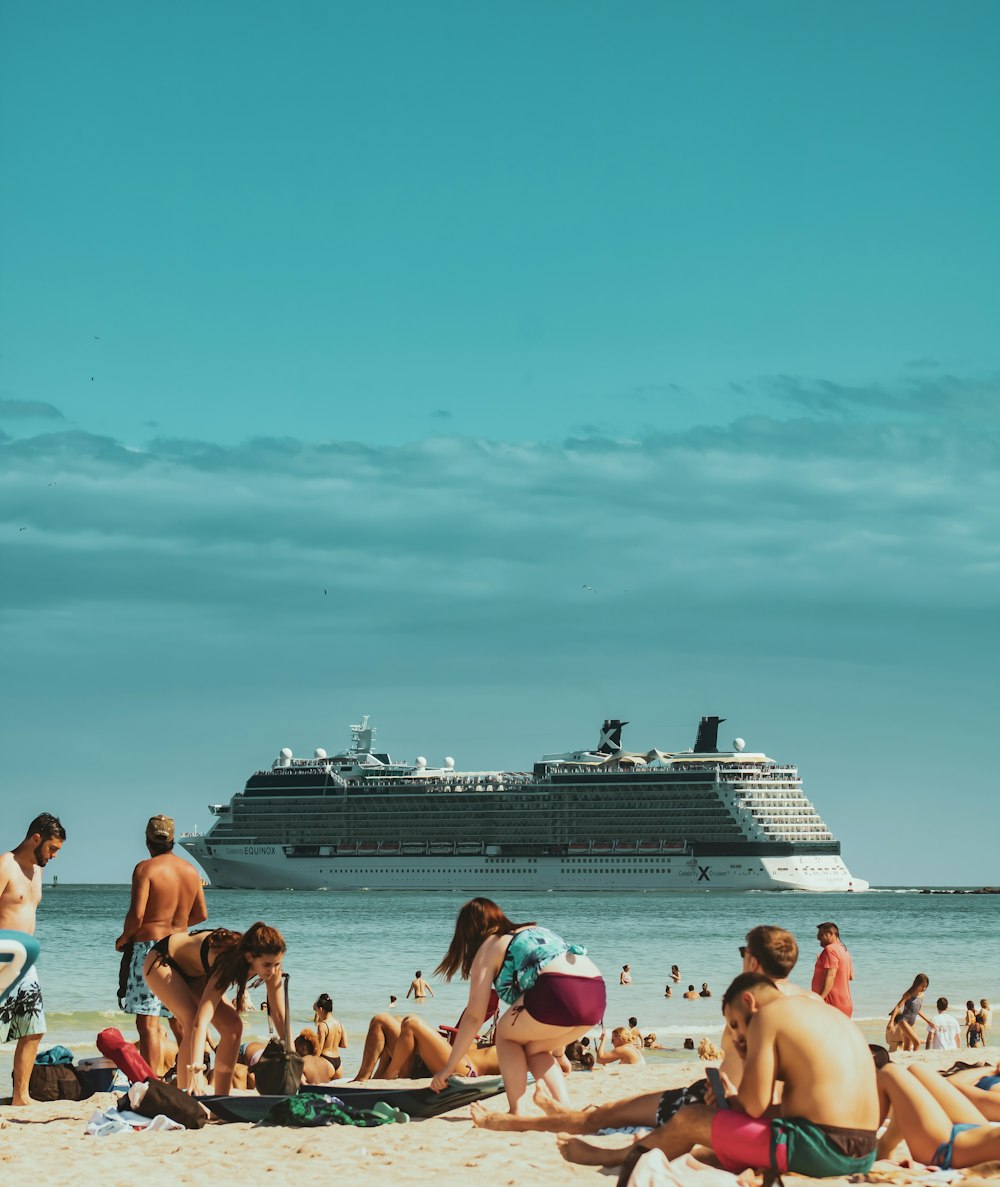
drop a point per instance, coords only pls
(556, 994)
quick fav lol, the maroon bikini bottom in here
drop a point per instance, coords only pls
(562, 999)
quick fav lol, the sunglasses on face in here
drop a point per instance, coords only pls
(743, 951)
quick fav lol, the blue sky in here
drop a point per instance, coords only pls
(453, 309)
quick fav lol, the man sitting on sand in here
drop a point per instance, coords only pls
(769, 950)
(829, 1112)
(622, 1051)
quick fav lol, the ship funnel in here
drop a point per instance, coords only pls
(708, 735)
(611, 736)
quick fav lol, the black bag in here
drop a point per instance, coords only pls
(56, 1081)
(170, 1101)
(278, 1071)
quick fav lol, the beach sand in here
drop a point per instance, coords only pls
(47, 1143)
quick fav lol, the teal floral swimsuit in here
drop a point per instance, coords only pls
(527, 955)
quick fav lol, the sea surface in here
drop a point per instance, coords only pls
(360, 947)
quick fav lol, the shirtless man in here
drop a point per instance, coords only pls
(419, 987)
(167, 896)
(770, 950)
(21, 1015)
(825, 1124)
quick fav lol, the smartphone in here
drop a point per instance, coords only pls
(714, 1077)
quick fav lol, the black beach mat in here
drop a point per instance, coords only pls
(416, 1102)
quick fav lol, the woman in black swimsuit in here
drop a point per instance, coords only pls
(190, 973)
(329, 1032)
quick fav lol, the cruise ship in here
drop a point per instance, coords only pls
(601, 819)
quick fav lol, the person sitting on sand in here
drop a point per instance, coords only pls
(331, 1034)
(940, 1125)
(410, 1049)
(555, 991)
(829, 1108)
(770, 950)
(315, 1069)
(190, 973)
(905, 1013)
(945, 1034)
(622, 1050)
(691, 995)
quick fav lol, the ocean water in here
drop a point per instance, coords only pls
(361, 947)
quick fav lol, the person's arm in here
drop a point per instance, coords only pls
(480, 983)
(829, 977)
(342, 1040)
(203, 1016)
(199, 909)
(137, 907)
(276, 1002)
(322, 1036)
(427, 989)
(411, 989)
(756, 1090)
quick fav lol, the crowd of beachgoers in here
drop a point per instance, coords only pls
(792, 1086)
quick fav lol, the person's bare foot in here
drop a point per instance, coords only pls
(22, 1100)
(583, 1153)
(501, 1121)
(543, 1099)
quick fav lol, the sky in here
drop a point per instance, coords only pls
(343, 347)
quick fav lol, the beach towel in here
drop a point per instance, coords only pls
(415, 1102)
(651, 1168)
(103, 1124)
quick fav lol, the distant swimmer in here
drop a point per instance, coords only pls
(419, 987)
(625, 977)
(691, 995)
(675, 974)
(705, 991)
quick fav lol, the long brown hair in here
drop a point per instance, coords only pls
(231, 966)
(477, 920)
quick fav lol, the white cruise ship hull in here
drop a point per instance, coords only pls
(266, 867)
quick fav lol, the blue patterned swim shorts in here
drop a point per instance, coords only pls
(138, 998)
(22, 1014)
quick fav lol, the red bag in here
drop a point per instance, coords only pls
(112, 1045)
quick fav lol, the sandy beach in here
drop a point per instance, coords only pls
(48, 1140)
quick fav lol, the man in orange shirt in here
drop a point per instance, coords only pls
(834, 970)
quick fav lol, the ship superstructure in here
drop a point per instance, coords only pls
(597, 819)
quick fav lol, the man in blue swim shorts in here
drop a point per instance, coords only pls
(829, 1111)
(167, 896)
(22, 1018)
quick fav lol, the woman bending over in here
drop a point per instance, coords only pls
(190, 973)
(555, 991)
(904, 1014)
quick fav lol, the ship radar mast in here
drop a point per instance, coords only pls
(363, 736)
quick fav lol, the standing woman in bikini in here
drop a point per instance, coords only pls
(190, 973)
(330, 1033)
(906, 1012)
(556, 993)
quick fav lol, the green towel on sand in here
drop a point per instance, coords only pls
(319, 1108)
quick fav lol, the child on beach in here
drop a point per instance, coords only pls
(190, 973)
(556, 993)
